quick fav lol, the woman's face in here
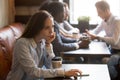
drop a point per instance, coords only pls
(48, 30)
(60, 17)
(66, 14)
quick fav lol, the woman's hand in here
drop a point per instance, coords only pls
(50, 38)
(73, 73)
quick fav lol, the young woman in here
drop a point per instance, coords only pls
(66, 29)
(34, 50)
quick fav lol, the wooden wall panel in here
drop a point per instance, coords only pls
(28, 2)
(25, 8)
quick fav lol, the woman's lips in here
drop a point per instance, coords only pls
(51, 36)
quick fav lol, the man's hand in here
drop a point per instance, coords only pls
(91, 35)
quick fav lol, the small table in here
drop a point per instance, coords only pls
(95, 49)
(95, 71)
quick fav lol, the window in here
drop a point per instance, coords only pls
(87, 8)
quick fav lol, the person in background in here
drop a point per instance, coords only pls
(34, 50)
(111, 26)
(114, 66)
(45, 5)
(61, 43)
(66, 28)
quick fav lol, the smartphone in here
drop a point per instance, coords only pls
(83, 75)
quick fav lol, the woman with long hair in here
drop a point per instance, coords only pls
(34, 50)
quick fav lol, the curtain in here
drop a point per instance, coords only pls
(7, 12)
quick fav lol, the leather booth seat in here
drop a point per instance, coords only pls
(8, 36)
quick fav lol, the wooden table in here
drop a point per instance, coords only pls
(95, 71)
(95, 49)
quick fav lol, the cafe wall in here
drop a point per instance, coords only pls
(18, 10)
(25, 8)
(7, 12)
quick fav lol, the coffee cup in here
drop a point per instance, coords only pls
(57, 62)
(85, 37)
(75, 35)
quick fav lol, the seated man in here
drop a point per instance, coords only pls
(111, 26)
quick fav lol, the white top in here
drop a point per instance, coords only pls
(67, 28)
(112, 30)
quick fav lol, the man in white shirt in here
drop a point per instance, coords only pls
(111, 26)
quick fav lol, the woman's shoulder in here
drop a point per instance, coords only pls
(24, 41)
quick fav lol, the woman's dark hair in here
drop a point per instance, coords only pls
(35, 24)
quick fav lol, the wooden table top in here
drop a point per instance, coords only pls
(95, 71)
(95, 48)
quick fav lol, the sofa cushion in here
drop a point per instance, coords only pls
(18, 29)
(8, 36)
